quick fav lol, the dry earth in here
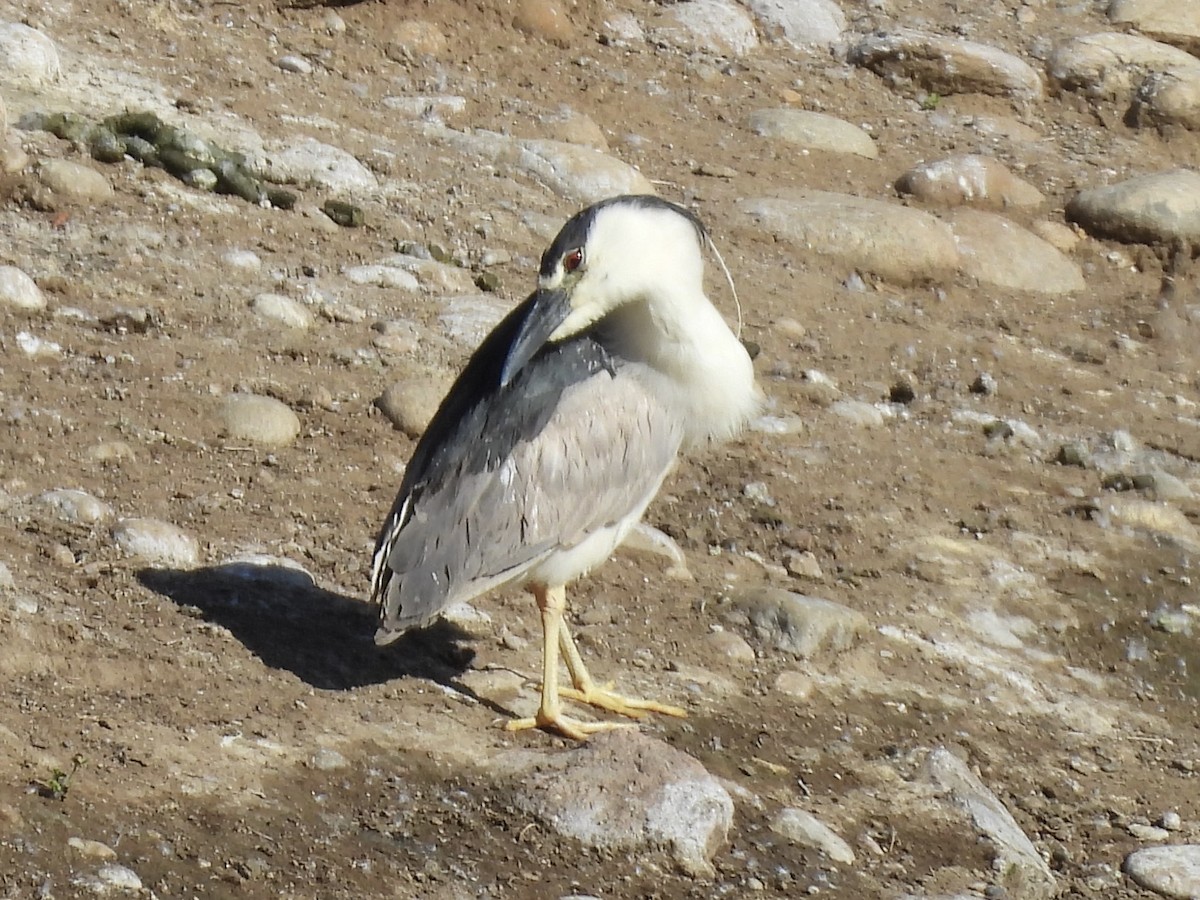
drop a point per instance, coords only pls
(242, 737)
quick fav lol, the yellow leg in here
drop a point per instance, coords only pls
(552, 602)
(586, 691)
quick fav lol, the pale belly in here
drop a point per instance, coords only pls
(568, 563)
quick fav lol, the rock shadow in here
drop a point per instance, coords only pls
(324, 638)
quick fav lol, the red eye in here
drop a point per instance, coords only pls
(572, 260)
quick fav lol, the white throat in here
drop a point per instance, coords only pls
(705, 372)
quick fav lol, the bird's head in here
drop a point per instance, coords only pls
(622, 250)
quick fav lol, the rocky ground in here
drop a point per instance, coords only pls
(934, 617)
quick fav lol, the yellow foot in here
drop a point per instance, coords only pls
(633, 707)
(565, 725)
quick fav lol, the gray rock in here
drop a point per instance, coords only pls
(120, 877)
(1162, 208)
(36, 347)
(262, 420)
(803, 564)
(1170, 871)
(858, 412)
(76, 507)
(326, 759)
(1169, 98)
(794, 623)
(27, 57)
(469, 318)
(968, 180)
(997, 251)
(714, 26)
(579, 174)
(295, 64)
(1147, 833)
(947, 65)
(279, 308)
(410, 404)
(624, 791)
(813, 131)
(807, 830)
(397, 336)
(91, 849)
(74, 181)
(246, 260)
(431, 275)
(382, 276)
(431, 107)
(801, 23)
(312, 164)
(1164, 20)
(897, 243)
(1110, 65)
(1025, 873)
(19, 291)
(730, 646)
(412, 39)
(111, 452)
(798, 685)
(573, 127)
(12, 157)
(157, 541)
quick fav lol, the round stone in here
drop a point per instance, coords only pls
(74, 181)
(27, 56)
(261, 420)
(156, 541)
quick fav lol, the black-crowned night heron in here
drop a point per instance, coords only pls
(560, 431)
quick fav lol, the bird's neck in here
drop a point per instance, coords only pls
(708, 379)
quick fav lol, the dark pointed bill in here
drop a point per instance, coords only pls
(547, 309)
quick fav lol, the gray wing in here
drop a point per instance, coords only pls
(598, 457)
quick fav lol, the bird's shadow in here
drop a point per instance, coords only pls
(325, 639)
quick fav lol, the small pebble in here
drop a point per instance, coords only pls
(803, 565)
(794, 684)
(858, 412)
(76, 507)
(121, 877)
(242, 259)
(807, 830)
(410, 404)
(326, 759)
(285, 310)
(20, 291)
(758, 492)
(1148, 832)
(983, 384)
(111, 452)
(33, 346)
(157, 541)
(1171, 820)
(1074, 454)
(729, 645)
(74, 181)
(259, 419)
(296, 64)
(91, 849)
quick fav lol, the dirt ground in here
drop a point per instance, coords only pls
(234, 738)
